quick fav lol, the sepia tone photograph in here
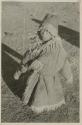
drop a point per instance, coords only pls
(40, 59)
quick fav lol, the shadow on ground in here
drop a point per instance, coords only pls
(69, 35)
(9, 67)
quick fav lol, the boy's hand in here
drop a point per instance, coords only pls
(19, 72)
(24, 68)
(17, 75)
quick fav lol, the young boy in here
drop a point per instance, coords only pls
(49, 59)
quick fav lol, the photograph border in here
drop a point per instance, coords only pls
(80, 2)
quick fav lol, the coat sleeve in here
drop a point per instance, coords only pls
(31, 55)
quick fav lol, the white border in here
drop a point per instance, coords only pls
(44, 0)
(80, 61)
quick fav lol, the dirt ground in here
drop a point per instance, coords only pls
(16, 26)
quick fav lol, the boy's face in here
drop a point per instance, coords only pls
(45, 35)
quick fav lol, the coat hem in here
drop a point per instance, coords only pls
(47, 108)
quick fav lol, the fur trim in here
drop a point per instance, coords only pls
(47, 108)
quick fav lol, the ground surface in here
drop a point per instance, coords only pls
(16, 24)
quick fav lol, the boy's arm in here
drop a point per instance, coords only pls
(23, 65)
(31, 55)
